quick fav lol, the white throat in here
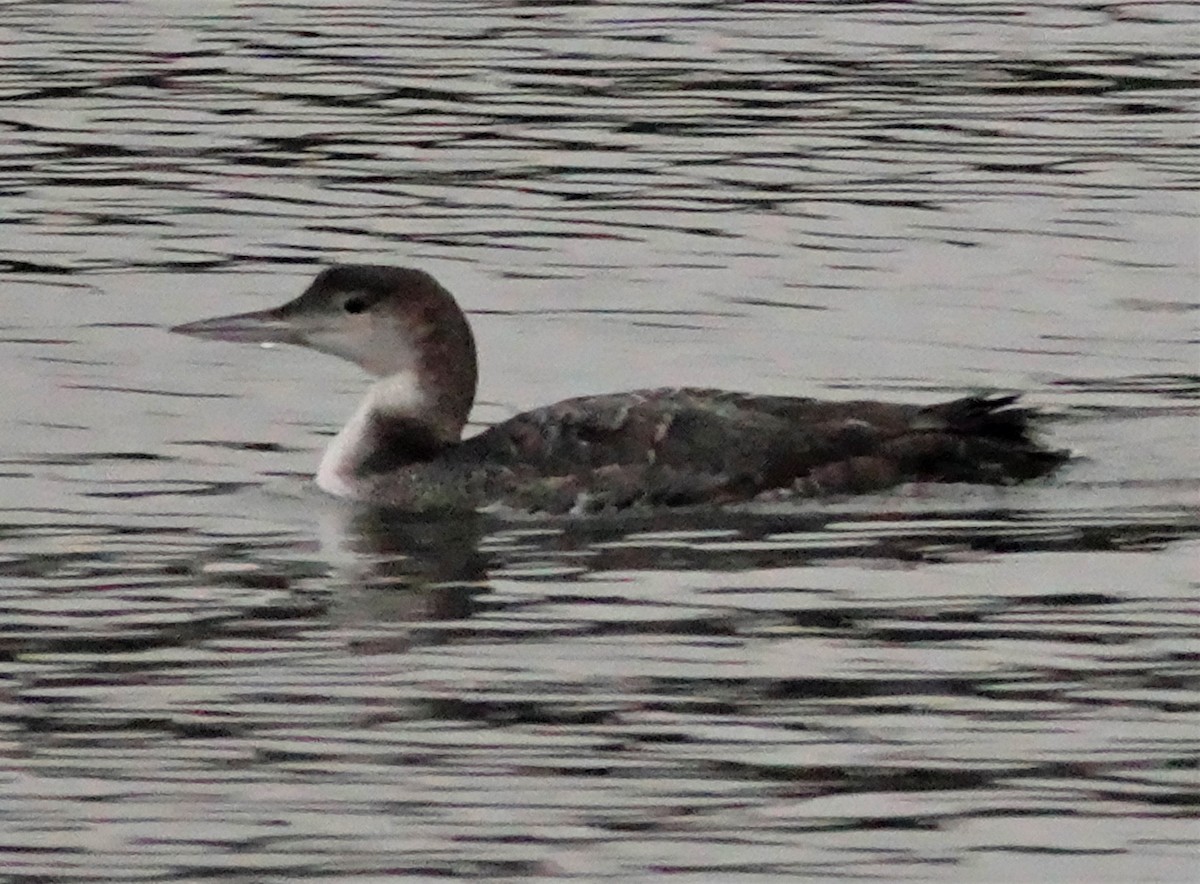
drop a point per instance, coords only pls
(341, 467)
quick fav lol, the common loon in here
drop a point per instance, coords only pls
(403, 447)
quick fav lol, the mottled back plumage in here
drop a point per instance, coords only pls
(675, 447)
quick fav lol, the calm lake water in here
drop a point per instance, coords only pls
(210, 671)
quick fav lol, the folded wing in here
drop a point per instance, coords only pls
(680, 446)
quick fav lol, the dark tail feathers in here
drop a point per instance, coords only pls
(998, 432)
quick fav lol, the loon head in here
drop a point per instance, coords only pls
(396, 323)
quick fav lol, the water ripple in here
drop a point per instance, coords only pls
(208, 670)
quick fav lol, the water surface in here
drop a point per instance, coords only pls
(210, 671)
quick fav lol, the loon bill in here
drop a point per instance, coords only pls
(403, 447)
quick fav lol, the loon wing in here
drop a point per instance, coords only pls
(679, 446)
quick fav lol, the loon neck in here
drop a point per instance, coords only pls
(396, 424)
(429, 374)
(419, 346)
(401, 327)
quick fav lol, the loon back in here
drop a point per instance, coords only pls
(676, 447)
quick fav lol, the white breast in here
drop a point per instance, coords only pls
(398, 394)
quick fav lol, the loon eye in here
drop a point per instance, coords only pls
(355, 305)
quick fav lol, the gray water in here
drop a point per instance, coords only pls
(210, 671)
